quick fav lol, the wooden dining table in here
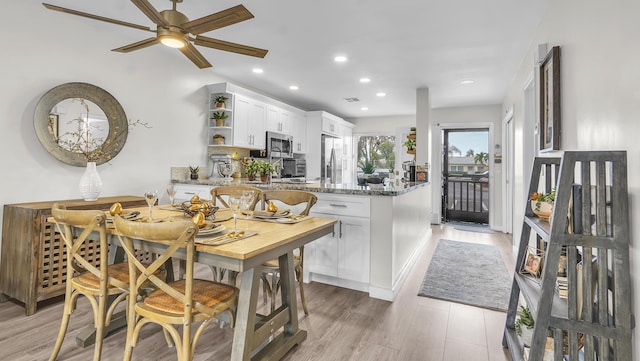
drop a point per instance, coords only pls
(256, 337)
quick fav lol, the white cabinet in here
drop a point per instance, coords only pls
(248, 123)
(220, 134)
(299, 133)
(345, 253)
(278, 120)
(330, 126)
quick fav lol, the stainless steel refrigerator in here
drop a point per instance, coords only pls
(331, 159)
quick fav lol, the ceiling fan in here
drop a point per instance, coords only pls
(175, 30)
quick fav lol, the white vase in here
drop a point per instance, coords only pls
(90, 183)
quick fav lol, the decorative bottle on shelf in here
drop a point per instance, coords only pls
(90, 183)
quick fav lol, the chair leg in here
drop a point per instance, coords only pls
(274, 291)
(300, 282)
(64, 324)
(266, 289)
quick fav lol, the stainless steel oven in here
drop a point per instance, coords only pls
(294, 168)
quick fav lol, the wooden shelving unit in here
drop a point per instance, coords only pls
(590, 225)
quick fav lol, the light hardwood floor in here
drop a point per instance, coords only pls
(343, 324)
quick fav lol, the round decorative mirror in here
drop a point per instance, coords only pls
(79, 123)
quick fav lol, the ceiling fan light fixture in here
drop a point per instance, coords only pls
(171, 38)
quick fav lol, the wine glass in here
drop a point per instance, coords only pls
(151, 197)
(234, 204)
(247, 201)
(171, 191)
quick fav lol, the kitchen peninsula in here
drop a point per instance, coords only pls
(377, 237)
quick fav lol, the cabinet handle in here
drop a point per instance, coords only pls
(189, 192)
(340, 228)
(338, 205)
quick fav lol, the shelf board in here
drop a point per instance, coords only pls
(222, 128)
(542, 228)
(531, 291)
(514, 344)
(226, 110)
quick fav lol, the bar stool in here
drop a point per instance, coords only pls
(172, 305)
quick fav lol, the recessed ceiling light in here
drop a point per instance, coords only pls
(364, 108)
(293, 87)
(258, 70)
(467, 82)
(365, 80)
(340, 58)
(381, 94)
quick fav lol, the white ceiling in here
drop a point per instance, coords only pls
(401, 46)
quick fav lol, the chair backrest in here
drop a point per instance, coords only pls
(176, 237)
(291, 198)
(78, 229)
(221, 194)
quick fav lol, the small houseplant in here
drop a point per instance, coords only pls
(221, 101)
(410, 143)
(252, 168)
(266, 169)
(542, 203)
(524, 325)
(194, 172)
(220, 117)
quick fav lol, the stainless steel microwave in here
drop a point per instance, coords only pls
(279, 145)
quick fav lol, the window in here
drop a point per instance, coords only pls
(376, 153)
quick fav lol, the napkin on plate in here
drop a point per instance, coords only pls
(267, 214)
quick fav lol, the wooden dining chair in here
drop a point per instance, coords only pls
(173, 305)
(88, 271)
(220, 196)
(272, 267)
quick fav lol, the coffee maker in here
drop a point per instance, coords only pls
(409, 168)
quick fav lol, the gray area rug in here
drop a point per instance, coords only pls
(469, 273)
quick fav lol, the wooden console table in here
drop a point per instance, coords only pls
(33, 259)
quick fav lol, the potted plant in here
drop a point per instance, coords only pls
(252, 168)
(525, 319)
(410, 143)
(194, 172)
(221, 101)
(220, 117)
(542, 204)
(266, 169)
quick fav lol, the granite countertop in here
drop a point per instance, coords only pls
(316, 187)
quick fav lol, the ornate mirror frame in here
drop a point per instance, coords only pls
(118, 124)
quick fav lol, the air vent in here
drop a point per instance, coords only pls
(352, 100)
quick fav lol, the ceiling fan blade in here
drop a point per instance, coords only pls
(137, 46)
(96, 17)
(150, 12)
(195, 56)
(218, 20)
(229, 46)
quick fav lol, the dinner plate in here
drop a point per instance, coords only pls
(292, 220)
(270, 215)
(217, 228)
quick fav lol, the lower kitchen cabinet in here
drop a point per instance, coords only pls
(343, 255)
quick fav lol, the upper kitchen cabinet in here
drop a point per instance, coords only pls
(249, 123)
(299, 133)
(318, 123)
(278, 120)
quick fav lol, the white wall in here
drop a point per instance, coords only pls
(155, 85)
(600, 94)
